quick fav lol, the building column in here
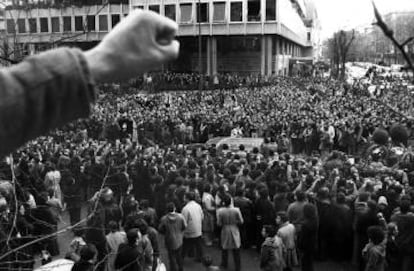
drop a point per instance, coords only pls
(263, 55)
(269, 55)
(208, 59)
(213, 55)
(277, 53)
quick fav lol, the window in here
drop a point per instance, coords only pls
(32, 25)
(155, 8)
(253, 10)
(115, 19)
(90, 22)
(11, 27)
(55, 24)
(21, 25)
(169, 11)
(138, 7)
(186, 13)
(103, 23)
(67, 24)
(219, 11)
(202, 12)
(270, 10)
(309, 36)
(44, 25)
(79, 23)
(236, 11)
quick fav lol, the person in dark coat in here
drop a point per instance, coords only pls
(132, 255)
(265, 214)
(342, 229)
(405, 238)
(88, 255)
(366, 220)
(45, 222)
(71, 190)
(246, 208)
(307, 237)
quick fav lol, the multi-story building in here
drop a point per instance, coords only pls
(243, 36)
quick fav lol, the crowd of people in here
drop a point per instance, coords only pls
(333, 180)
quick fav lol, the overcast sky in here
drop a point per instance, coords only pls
(337, 14)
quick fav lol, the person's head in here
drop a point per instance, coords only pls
(310, 213)
(363, 197)
(170, 207)
(263, 193)
(207, 261)
(190, 196)
(405, 205)
(392, 229)
(300, 196)
(281, 218)
(88, 253)
(113, 226)
(142, 226)
(144, 204)
(375, 235)
(43, 198)
(226, 199)
(268, 231)
(132, 236)
(341, 198)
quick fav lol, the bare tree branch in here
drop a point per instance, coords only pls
(389, 33)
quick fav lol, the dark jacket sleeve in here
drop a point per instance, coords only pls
(41, 93)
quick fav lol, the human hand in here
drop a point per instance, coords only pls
(142, 41)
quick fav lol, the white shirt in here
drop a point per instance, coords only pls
(193, 215)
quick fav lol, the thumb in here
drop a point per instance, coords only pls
(166, 30)
(170, 51)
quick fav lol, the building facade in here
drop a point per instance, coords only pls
(236, 36)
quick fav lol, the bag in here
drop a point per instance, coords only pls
(160, 265)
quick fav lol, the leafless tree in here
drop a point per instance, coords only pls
(340, 45)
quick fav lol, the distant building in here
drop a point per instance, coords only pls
(240, 36)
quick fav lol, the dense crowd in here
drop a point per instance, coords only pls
(332, 181)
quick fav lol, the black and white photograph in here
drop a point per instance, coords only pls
(206, 135)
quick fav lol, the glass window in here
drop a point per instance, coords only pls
(270, 10)
(21, 25)
(186, 13)
(103, 23)
(55, 24)
(219, 11)
(32, 25)
(253, 10)
(79, 23)
(115, 19)
(11, 26)
(67, 23)
(90, 21)
(155, 8)
(44, 26)
(138, 7)
(202, 12)
(169, 11)
(236, 11)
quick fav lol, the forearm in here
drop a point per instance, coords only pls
(43, 93)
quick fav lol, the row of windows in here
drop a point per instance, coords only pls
(202, 13)
(62, 24)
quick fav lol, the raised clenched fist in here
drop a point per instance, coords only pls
(142, 41)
